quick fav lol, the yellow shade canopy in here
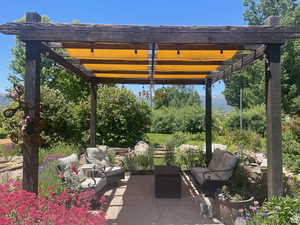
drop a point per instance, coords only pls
(140, 64)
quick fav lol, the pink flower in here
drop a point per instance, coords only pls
(256, 203)
(61, 176)
(253, 208)
(74, 170)
(241, 210)
(21, 207)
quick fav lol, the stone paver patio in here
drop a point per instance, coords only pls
(133, 203)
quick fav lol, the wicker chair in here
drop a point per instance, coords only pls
(98, 157)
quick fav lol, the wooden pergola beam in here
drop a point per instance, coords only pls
(156, 72)
(146, 62)
(78, 70)
(59, 32)
(149, 81)
(231, 69)
(145, 46)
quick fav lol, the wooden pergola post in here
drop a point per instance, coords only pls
(273, 108)
(208, 121)
(274, 145)
(30, 147)
(93, 114)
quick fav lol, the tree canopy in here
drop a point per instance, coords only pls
(252, 79)
(176, 96)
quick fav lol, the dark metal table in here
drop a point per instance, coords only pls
(167, 182)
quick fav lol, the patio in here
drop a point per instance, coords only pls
(133, 203)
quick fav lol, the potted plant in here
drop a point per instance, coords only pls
(229, 204)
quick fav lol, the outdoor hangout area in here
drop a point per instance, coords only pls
(80, 148)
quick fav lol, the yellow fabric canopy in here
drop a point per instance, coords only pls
(132, 61)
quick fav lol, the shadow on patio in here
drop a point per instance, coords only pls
(133, 203)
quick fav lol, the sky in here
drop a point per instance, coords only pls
(139, 12)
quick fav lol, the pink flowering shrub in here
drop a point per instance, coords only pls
(21, 207)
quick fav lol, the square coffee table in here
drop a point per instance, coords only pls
(167, 182)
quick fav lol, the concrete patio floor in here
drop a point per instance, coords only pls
(133, 203)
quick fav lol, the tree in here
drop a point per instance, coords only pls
(257, 11)
(176, 96)
(121, 119)
(253, 77)
(52, 75)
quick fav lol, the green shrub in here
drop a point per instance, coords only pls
(254, 119)
(134, 162)
(121, 119)
(243, 139)
(278, 211)
(189, 158)
(185, 119)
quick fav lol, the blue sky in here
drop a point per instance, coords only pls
(150, 12)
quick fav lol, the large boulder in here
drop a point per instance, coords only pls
(141, 148)
(10, 168)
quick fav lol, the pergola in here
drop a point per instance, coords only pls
(153, 55)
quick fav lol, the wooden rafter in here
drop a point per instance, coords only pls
(78, 70)
(141, 46)
(156, 72)
(239, 65)
(149, 81)
(146, 62)
(58, 32)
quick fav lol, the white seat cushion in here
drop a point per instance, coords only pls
(113, 170)
(98, 184)
(67, 162)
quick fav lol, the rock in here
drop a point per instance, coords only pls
(141, 148)
(10, 168)
(186, 147)
(120, 151)
(103, 148)
(264, 163)
(216, 146)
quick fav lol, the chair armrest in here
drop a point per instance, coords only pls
(214, 171)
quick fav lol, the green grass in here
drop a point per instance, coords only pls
(160, 139)
(59, 148)
(49, 180)
(3, 133)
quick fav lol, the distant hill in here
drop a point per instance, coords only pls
(3, 100)
(219, 103)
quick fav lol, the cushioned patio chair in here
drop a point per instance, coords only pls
(218, 172)
(98, 157)
(86, 180)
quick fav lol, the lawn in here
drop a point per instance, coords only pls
(187, 138)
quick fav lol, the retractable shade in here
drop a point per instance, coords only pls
(149, 62)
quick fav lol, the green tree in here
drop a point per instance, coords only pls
(252, 78)
(257, 11)
(53, 75)
(121, 119)
(176, 96)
